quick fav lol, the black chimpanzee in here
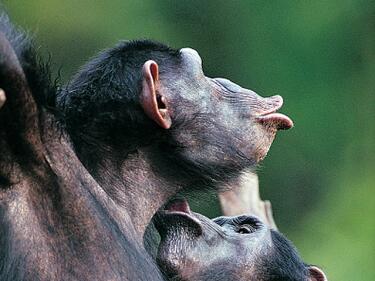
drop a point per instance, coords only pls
(56, 222)
(144, 121)
(241, 248)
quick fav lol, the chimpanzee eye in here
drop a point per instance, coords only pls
(245, 229)
(246, 224)
(228, 85)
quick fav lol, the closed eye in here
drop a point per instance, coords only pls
(228, 85)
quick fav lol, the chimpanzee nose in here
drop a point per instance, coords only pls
(263, 109)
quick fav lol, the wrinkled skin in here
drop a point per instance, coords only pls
(221, 125)
(241, 248)
(180, 130)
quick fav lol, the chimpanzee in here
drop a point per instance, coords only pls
(241, 248)
(144, 121)
(56, 222)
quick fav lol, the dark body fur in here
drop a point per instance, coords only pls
(55, 221)
(85, 168)
(214, 132)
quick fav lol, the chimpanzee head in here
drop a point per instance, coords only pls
(242, 248)
(141, 93)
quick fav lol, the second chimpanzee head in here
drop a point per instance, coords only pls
(143, 93)
(241, 248)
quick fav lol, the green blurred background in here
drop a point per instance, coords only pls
(319, 55)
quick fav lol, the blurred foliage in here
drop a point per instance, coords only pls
(319, 55)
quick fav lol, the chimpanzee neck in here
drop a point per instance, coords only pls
(140, 182)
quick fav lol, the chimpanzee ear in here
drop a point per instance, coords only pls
(152, 101)
(316, 274)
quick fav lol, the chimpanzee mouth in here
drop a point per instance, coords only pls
(272, 118)
(179, 207)
(177, 213)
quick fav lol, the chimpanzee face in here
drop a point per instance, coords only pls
(217, 122)
(144, 94)
(195, 248)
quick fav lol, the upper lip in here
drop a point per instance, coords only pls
(271, 116)
(179, 207)
(278, 105)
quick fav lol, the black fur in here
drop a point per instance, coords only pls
(37, 71)
(88, 193)
(101, 102)
(53, 223)
(283, 262)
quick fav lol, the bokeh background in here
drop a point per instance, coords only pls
(319, 55)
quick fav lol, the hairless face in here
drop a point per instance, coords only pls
(246, 121)
(241, 248)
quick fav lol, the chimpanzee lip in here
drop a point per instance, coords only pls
(180, 214)
(272, 118)
(178, 205)
(174, 211)
(276, 119)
